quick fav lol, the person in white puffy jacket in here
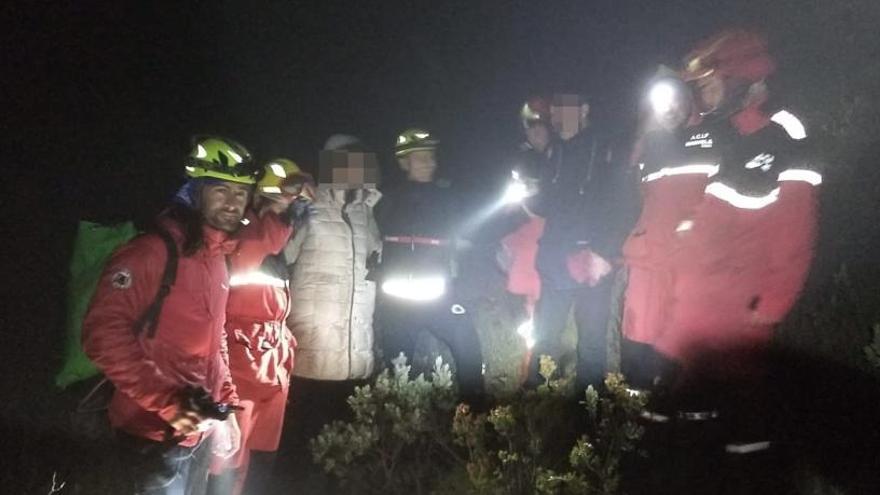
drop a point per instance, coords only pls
(332, 301)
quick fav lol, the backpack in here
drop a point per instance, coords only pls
(88, 420)
(94, 245)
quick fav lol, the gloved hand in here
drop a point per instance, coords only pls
(227, 437)
(587, 267)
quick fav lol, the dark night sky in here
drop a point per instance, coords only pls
(117, 88)
(102, 96)
(121, 87)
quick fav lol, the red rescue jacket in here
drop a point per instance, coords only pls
(188, 347)
(260, 344)
(675, 170)
(522, 249)
(743, 263)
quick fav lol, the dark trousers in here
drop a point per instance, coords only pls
(592, 306)
(313, 404)
(401, 322)
(643, 367)
(155, 468)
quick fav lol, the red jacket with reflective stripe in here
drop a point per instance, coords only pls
(188, 347)
(260, 344)
(741, 267)
(673, 179)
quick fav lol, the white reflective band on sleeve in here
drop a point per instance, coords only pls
(271, 189)
(802, 175)
(730, 195)
(746, 448)
(790, 123)
(697, 169)
(256, 278)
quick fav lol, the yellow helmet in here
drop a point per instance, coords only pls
(221, 158)
(414, 140)
(282, 176)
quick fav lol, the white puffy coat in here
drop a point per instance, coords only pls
(332, 302)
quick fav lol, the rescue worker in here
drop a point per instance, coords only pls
(261, 347)
(586, 211)
(166, 354)
(418, 282)
(672, 182)
(746, 249)
(743, 254)
(332, 299)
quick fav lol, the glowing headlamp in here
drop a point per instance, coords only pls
(662, 97)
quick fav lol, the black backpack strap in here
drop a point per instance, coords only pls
(150, 317)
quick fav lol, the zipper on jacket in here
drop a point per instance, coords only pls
(347, 221)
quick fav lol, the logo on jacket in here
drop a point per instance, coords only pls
(763, 161)
(121, 279)
(702, 139)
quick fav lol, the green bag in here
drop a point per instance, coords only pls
(93, 246)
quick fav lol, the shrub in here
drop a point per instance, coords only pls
(399, 440)
(538, 443)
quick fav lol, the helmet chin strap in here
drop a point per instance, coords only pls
(731, 104)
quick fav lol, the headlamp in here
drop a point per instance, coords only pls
(662, 97)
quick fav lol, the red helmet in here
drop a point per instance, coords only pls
(733, 53)
(535, 109)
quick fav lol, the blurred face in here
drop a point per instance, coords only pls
(710, 91)
(223, 204)
(538, 136)
(419, 165)
(348, 169)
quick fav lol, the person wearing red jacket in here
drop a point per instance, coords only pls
(261, 347)
(169, 364)
(744, 253)
(673, 178)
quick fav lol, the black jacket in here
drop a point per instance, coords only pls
(587, 201)
(425, 211)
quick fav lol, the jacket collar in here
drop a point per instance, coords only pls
(216, 242)
(750, 120)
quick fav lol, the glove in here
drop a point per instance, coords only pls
(587, 267)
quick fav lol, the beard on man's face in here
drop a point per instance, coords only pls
(226, 223)
(222, 212)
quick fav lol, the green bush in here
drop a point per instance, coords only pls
(538, 443)
(408, 436)
(399, 440)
